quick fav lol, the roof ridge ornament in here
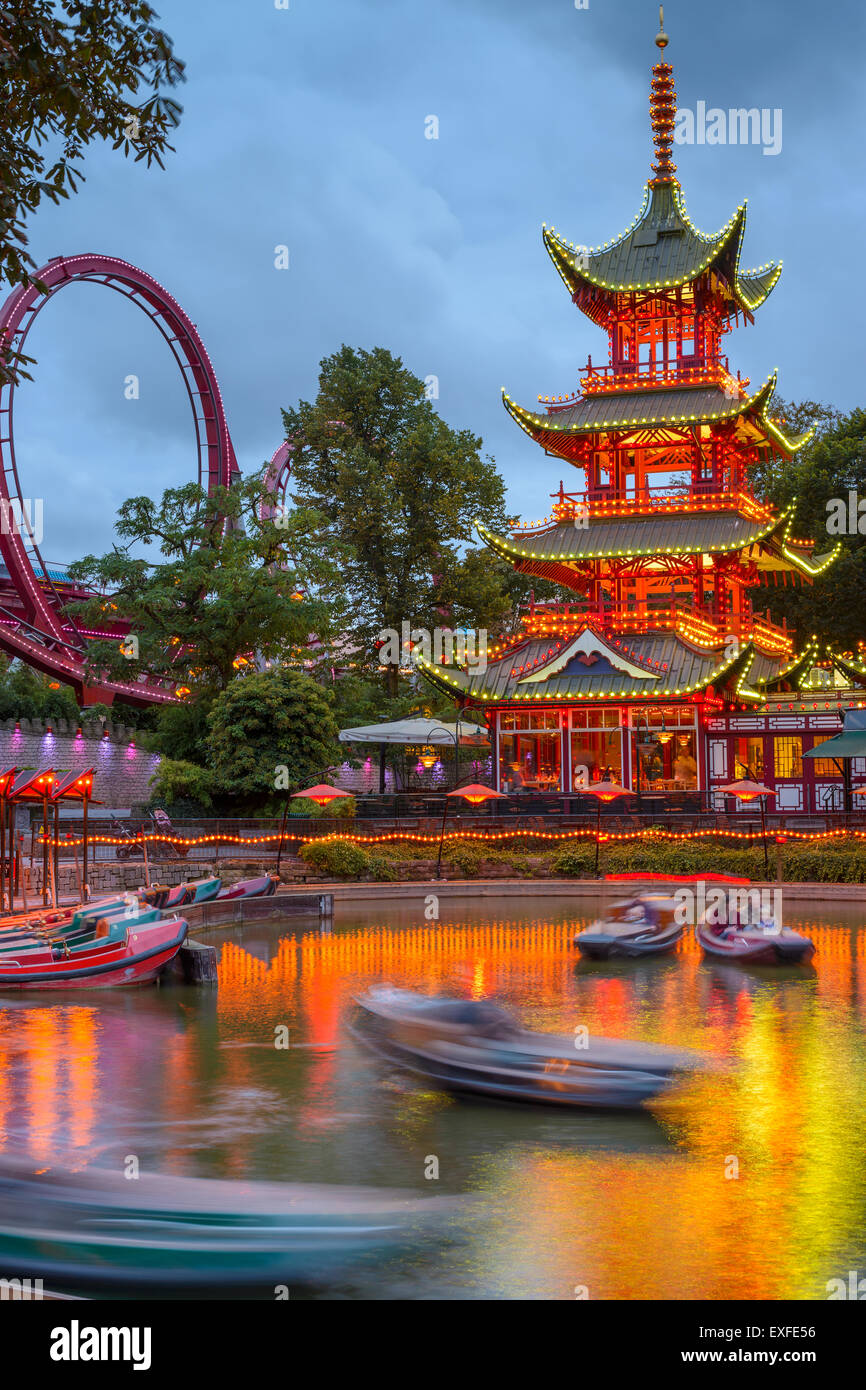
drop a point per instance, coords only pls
(663, 112)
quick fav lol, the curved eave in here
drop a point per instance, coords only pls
(811, 568)
(458, 685)
(848, 668)
(806, 658)
(507, 550)
(749, 288)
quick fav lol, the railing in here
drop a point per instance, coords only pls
(699, 627)
(602, 503)
(637, 376)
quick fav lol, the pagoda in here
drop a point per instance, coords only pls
(659, 671)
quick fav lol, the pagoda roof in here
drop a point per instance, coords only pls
(590, 666)
(684, 533)
(675, 407)
(663, 249)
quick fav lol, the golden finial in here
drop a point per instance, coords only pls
(661, 36)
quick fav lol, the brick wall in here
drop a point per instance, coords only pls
(122, 771)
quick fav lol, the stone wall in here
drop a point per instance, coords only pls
(122, 770)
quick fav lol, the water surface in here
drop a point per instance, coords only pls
(748, 1184)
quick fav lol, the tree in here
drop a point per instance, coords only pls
(227, 593)
(396, 492)
(72, 72)
(268, 721)
(821, 478)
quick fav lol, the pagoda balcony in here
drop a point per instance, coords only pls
(602, 503)
(643, 376)
(694, 625)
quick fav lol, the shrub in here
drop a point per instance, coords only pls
(573, 861)
(383, 870)
(338, 858)
(463, 856)
(177, 781)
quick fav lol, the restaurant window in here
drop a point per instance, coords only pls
(596, 756)
(824, 767)
(788, 756)
(749, 759)
(530, 751)
(664, 748)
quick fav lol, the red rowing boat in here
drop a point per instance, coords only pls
(118, 955)
(262, 887)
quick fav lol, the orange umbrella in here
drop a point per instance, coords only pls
(605, 791)
(476, 793)
(747, 790)
(321, 793)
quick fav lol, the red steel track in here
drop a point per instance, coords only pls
(39, 633)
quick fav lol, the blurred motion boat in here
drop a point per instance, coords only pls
(766, 943)
(94, 1228)
(476, 1046)
(645, 925)
(119, 951)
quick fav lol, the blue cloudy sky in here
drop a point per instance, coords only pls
(306, 127)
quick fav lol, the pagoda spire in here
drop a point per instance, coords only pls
(663, 111)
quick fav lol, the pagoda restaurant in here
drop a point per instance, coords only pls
(660, 671)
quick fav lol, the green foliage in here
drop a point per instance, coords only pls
(830, 861)
(464, 856)
(176, 781)
(336, 858)
(573, 860)
(827, 468)
(394, 492)
(73, 74)
(228, 587)
(27, 694)
(382, 869)
(265, 721)
(182, 730)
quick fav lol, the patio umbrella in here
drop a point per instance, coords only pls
(747, 790)
(603, 791)
(321, 793)
(417, 731)
(474, 793)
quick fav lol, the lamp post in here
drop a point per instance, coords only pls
(322, 793)
(603, 791)
(475, 793)
(747, 790)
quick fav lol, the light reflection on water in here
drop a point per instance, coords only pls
(629, 1206)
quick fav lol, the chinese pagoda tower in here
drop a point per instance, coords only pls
(660, 546)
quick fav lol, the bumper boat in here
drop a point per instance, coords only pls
(646, 925)
(93, 1228)
(475, 1046)
(765, 943)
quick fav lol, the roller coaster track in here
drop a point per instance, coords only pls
(42, 634)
